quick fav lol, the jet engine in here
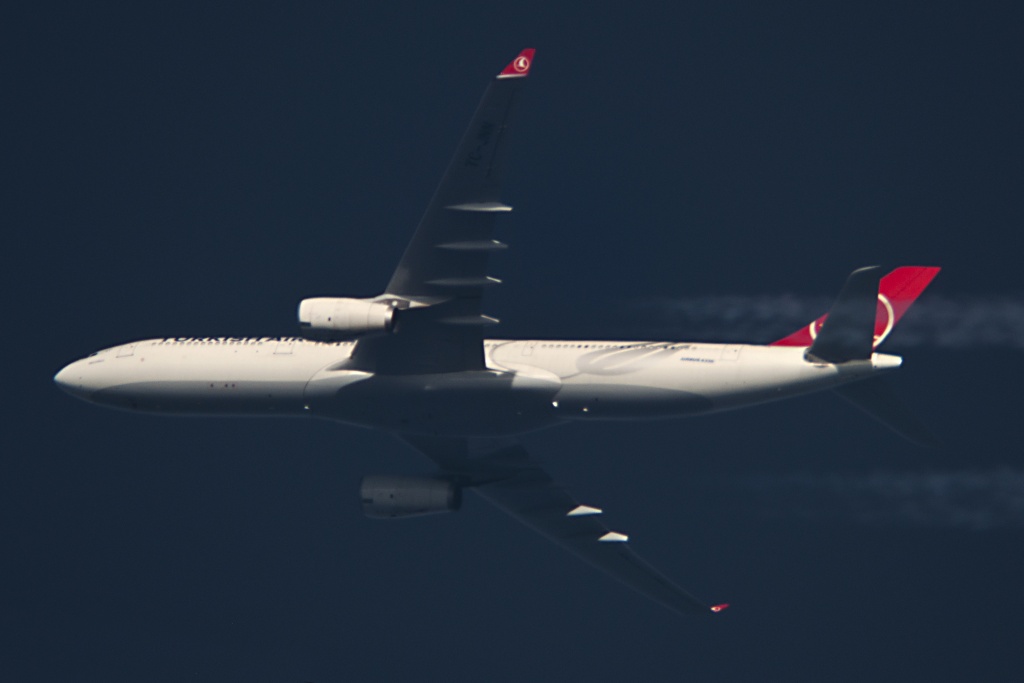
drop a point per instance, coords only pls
(328, 318)
(387, 497)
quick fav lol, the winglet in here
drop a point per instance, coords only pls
(520, 66)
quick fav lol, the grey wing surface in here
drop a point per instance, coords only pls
(502, 473)
(441, 277)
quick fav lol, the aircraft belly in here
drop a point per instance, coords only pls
(768, 374)
(206, 397)
(475, 403)
(596, 400)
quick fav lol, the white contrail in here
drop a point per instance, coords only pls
(972, 500)
(936, 321)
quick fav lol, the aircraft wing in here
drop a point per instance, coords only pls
(442, 275)
(501, 471)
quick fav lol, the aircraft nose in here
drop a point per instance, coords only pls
(71, 379)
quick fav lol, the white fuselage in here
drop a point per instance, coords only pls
(528, 384)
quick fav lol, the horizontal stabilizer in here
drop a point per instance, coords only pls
(848, 332)
(876, 398)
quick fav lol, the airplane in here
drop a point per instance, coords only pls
(415, 361)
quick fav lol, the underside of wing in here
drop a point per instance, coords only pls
(502, 473)
(441, 278)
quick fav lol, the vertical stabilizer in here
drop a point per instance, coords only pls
(896, 293)
(848, 331)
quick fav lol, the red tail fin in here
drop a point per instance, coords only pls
(520, 66)
(896, 292)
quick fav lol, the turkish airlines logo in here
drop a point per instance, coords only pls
(521, 64)
(890, 321)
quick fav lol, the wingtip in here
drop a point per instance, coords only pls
(520, 66)
(719, 608)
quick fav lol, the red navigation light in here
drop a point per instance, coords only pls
(719, 608)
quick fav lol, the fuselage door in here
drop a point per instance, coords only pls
(126, 351)
(528, 348)
(732, 352)
(284, 347)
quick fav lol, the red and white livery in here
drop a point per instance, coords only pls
(416, 361)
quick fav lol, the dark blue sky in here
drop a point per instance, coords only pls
(197, 171)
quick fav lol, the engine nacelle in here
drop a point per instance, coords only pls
(386, 497)
(329, 318)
